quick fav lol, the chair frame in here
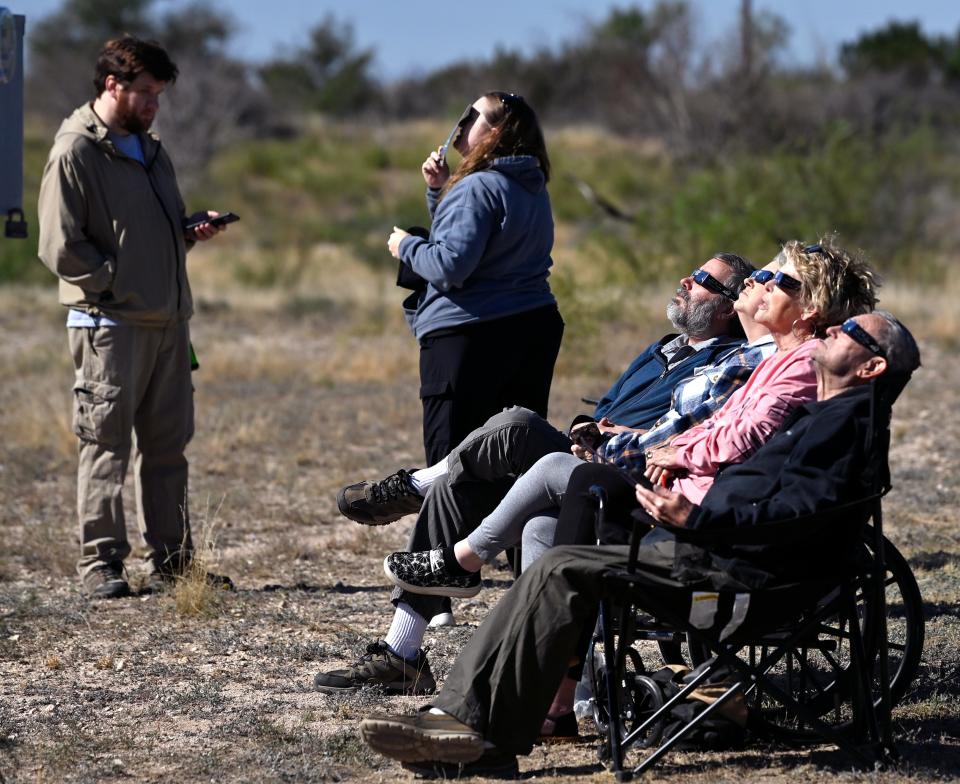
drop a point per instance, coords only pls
(868, 740)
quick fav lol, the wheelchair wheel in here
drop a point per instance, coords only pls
(817, 674)
(639, 697)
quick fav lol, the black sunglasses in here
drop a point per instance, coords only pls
(818, 249)
(469, 114)
(864, 338)
(709, 282)
(761, 276)
(509, 100)
(784, 281)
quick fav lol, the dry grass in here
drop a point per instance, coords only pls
(932, 314)
(292, 402)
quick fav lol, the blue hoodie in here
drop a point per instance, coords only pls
(488, 255)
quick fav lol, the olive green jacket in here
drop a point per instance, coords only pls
(111, 228)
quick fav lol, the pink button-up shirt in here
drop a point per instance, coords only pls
(781, 383)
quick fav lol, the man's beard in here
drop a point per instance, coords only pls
(130, 121)
(693, 318)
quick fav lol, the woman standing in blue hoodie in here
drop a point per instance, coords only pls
(486, 320)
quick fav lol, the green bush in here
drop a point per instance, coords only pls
(347, 185)
(875, 196)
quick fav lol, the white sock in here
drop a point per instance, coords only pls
(424, 477)
(406, 632)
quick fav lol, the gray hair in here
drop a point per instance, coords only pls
(740, 269)
(903, 354)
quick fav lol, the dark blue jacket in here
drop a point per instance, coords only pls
(642, 394)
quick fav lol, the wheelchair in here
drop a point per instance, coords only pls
(815, 670)
(810, 659)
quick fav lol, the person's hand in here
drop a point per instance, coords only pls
(393, 242)
(662, 456)
(608, 426)
(662, 464)
(658, 476)
(204, 231)
(582, 452)
(435, 172)
(663, 505)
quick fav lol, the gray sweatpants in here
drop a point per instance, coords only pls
(528, 512)
(132, 381)
(480, 472)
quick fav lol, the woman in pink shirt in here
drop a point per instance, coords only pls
(815, 287)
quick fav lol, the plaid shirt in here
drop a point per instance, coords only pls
(694, 399)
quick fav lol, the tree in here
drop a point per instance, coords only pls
(900, 47)
(213, 104)
(328, 75)
(64, 47)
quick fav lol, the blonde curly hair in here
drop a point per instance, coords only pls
(837, 283)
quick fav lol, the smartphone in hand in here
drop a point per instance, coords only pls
(221, 220)
(588, 436)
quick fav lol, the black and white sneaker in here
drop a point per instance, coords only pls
(425, 572)
(380, 503)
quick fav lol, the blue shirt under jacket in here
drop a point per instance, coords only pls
(488, 255)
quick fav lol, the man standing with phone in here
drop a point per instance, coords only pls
(114, 230)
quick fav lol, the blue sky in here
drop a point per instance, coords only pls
(414, 36)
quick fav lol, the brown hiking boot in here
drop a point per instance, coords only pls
(426, 737)
(380, 667)
(380, 503)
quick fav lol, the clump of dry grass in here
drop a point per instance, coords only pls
(194, 593)
(197, 590)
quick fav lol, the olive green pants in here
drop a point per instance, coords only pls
(132, 392)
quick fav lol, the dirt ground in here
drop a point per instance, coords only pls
(294, 401)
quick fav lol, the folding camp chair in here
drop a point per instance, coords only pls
(808, 653)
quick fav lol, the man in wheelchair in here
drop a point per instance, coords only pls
(502, 685)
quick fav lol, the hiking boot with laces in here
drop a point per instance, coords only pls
(425, 572)
(106, 581)
(425, 738)
(379, 503)
(380, 667)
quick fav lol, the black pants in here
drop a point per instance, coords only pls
(470, 373)
(577, 521)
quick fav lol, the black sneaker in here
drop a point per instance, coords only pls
(425, 572)
(106, 581)
(379, 503)
(380, 667)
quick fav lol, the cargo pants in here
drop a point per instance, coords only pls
(132, 392)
